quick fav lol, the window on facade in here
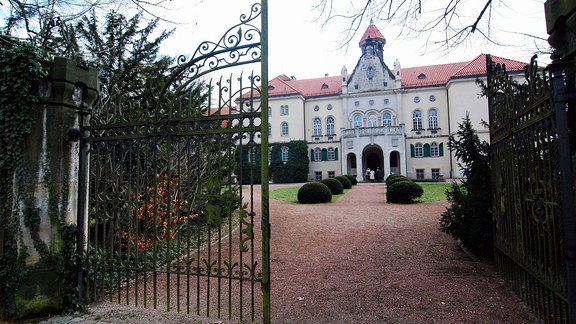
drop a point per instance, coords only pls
(357, 120)
(433, 119)
(284, 129)
(434, 151)
(284, 153)
(318, 175)
(330, 125)
(284, 110)
(270, 155)
(372, 121)
(386, 119)
(331, 174)
(317, 154)
(316, 108)
(331, 154)
(435, 173)
(317, 127)
(417, 119)
(419, 174)
(269, 111)
(418, 150)
(269, 130)
(329, 107)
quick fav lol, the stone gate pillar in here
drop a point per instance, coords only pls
(48, 203)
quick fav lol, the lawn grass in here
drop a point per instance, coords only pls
(291, 194)
(433, 192)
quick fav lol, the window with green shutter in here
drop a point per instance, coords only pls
(426, 150)
(412, 151)
(324, 154)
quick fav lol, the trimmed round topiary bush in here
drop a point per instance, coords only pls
(396, 179)
(347, 184)
(335, 186)
(352, 179)
(391, 177)
(403, 192)
(314, 192)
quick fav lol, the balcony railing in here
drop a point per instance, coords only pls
(370, 131)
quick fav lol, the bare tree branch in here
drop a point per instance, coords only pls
(445, 23)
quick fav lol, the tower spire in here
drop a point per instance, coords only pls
(372, 42)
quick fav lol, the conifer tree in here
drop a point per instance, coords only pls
(469, 218)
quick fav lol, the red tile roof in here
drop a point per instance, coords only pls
(478, 65)
(307, 87)
(221, 111)
(373, 33)
(431, 75)
(421, 76)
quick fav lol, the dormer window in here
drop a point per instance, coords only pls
(324, 86)
(270, 87)
(422, 76)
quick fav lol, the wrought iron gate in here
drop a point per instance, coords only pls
(172, 210)
(535, 224)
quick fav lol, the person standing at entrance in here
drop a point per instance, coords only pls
(372, 176)
(367, 175)
(379, 175)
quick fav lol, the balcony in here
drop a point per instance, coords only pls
(372, 131)
(325, 138)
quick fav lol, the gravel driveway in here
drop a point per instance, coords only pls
(360, 260)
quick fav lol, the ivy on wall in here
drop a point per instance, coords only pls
(20, 68)
(295, 169)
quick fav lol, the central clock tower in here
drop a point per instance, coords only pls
(371, 73)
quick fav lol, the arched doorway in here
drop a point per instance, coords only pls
(373, 158)
(351, 165)
(395, 163)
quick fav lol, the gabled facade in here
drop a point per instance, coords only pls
(397, 120)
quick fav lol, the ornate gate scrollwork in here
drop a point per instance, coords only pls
(173, 199)
(533, 202)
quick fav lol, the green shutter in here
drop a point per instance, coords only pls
(412, 154)
(336, 154)
(324, 154)
(441, 149)
(312, 155)
(426, 150)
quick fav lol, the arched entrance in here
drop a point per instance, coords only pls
(373, 158)
(351, 165)
(395, 163)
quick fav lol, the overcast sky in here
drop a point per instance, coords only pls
(300, 46)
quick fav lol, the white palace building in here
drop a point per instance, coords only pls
(398, 120)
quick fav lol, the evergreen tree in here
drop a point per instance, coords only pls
(469, 218)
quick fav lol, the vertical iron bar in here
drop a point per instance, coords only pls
(82, 204)
(154, 227)
(265, 221)
(561, 103)
(146, 216)
(179, 235)
(168, 237)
